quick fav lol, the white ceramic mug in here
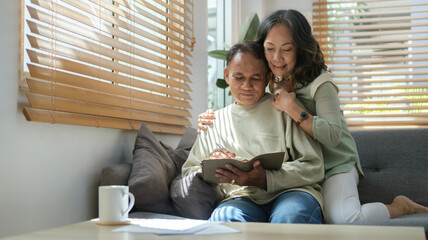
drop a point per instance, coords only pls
(114, 203)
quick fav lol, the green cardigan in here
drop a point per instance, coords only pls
(329, 126)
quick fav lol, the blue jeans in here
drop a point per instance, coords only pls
(289, 207)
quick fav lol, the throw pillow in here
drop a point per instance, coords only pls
(152, 172)
(180, 154)
(194, 198)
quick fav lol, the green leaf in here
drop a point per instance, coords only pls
(221, 83)
(219, 54)
(248, 29)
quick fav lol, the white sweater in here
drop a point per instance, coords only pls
(260, 128)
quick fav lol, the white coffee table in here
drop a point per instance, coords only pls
(249, 231)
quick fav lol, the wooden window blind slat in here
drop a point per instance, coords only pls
(58, 117)
(384, 101)
(323, 15)
(324, 2)
(95, 72)
(61, 23)
(344, 5)
(77, 29)
(377, 52)
(382, 40)
(371, 32)
(111, 64)
(60, 90)
(370, 87)
(322, 21)
(380, 108)
(379, 74)
(46, 32)
(422, 122)
(383, 80)
(176, 19)
(98, 62)
(93, 50)
(370, 27)
(173, 9)
(126, 14)
(387, 94)
(380, 66)
(116, 89)
(129, 15)
(387, 115)
(379, 60)
(75, 106)
(108, 18)
(373, 48)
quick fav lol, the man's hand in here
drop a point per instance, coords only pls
(255, 177)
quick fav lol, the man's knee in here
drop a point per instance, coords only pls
(298, 215)
(297, 207)
(238, 210)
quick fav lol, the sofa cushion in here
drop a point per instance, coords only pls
(154, 166)
(394, 163)
(152, 172)
(179, 155)
(116, 174)
(192, 197)
(407, 220)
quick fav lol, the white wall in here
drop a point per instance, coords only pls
(265, 7)
(49, 173)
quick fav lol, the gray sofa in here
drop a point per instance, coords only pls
(395, 162)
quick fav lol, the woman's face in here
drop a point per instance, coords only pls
(280, 50)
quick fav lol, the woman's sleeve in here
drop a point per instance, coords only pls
(327, 125)
(305, 163)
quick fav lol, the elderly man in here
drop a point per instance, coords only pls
(252, 126)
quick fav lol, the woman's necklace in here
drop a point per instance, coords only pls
(285, 84)
(280, 79)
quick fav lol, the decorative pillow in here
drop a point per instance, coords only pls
(152, 172)
(180, 154)
(193, 198)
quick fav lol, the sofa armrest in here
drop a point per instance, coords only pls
(116, 174)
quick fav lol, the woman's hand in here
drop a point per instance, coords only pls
(222, 153)
(284, 100)
(205, 119)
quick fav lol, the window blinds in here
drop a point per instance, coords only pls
(112, 64)
(377, 52)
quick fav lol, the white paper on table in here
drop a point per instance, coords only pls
(217, 229)
(175, 226)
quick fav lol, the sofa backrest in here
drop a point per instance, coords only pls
(395, 162)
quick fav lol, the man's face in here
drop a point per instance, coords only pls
(246, 76)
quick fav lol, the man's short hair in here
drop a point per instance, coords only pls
(255, 49)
